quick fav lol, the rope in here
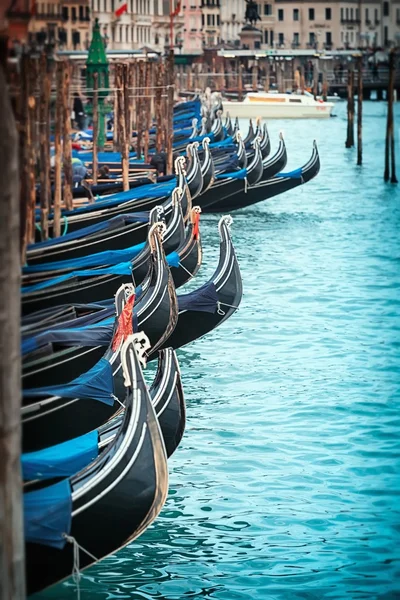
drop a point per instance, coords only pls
(65, 225)
(185, 269)
(117, 400)
(76, 573)
(220, 311)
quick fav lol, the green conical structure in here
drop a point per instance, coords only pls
(97, 63)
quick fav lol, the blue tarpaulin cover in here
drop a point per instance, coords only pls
(62, 460)
(296, 174)
(48, 515)
(97, 383)
(119, 269)
(107, 257)
(114, 223)
(242, 174)
(204, 299)
(99, 334)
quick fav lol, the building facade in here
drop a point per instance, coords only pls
(192, 27)
(211, 22)
(232, 20)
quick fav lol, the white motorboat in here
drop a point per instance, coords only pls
(272, 105)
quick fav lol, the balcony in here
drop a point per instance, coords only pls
(210, 3)
(350, 21)
(48, 16)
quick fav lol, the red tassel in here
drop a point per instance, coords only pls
(125, 326)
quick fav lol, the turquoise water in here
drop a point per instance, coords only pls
(286, 485)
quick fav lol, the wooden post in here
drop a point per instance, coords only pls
(139, 109)
(45, 191)
(147, 109)
(23, 147)
(158, 105)
(350, 109)
(390, 159)
(58, 151)
(359, 110)
(254, 77)
(266, 83)
(315, 81)
(170, 92)
(117, 85)
(122, 76)
(67, 147)
(12, 572)
(32, 148)
(240, 83)
(324, 88)
(127, 103)
(95, 126)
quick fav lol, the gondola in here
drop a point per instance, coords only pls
(190, 252)
(155, 312)
(194, 173)
(268, 188)
(106, 505)
(204, 309)
(207, 167)
(228, 124)
(139, 254)
(233, 183)
(126, 202)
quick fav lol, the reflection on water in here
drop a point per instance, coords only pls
(287, 481)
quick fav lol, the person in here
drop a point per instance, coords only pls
(79, 172)
(104, 172)
(78, 110)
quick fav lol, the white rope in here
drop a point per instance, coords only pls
(185, 269)
(117, 400)
(219, 309)
(76, 573)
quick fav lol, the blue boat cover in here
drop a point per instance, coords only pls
(228, 141)
(62, 460)
(114, 223)
(48, 515)
(242, 174)
(119, 269)
(296, 174)
(97, 384)
(204, 299)
(107, 257)
(173, 259)
(99, 334)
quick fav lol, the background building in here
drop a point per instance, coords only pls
(232, 20)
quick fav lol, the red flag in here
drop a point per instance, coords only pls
(177, 9)
(125, 326)
(122, 7)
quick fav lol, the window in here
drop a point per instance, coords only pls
(376, 16)
(311, 38)
(208, 20)
(281, 39)
(202, 20)
(266, 36)
(351, 14)
(213, 20)
(386, 9)
(296, 39)
(218, 20)
(271, 37)
(342, 14)
(328, 38)
(73, 13)
(81, 15)
(311, 14)
(267, 10)
(295, 14)
(65, 13)
(367, 15)
(398, 15)
(386, 35)
(328, 14)
(280, 14)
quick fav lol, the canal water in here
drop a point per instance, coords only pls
(286, 484)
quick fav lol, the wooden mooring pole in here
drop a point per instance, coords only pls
(58, 151)
(170, 92)
(122, 137)
(67, 146)
(350, 109)
(95, 126)
(45, 190)
(390, 159)
(359, 110)
(12, 572)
